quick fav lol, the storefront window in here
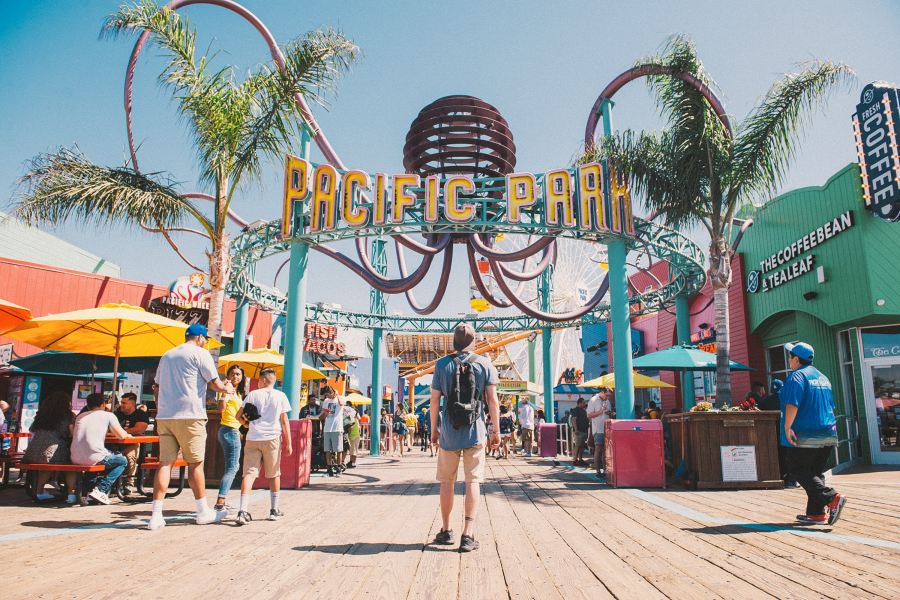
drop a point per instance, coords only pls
(881, 353)
(704, 386)
(777, 363)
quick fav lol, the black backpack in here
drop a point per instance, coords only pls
(463, 396)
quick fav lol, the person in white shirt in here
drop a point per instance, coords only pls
(264, 439)
(333, 413)
(183, 374)
(526, 421)
(598, 410)
(89, 448)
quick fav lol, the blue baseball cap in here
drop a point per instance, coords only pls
(776, 385)
(801, 350)
(195, 330)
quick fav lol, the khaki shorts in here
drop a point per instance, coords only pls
(267, 452)
(188, 435)
(473, 464)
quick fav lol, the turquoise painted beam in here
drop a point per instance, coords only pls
(683, 332)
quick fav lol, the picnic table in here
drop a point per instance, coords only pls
(145, 463)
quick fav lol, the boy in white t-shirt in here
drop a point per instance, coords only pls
(268, 423)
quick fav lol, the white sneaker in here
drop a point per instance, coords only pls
(210, 516)
(156, 522)
(99, 496)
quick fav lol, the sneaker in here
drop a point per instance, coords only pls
(224, 508)
(330, 472)
(126, 490)
(338, 472)
(342, 468)
(99, 496)
(835, 507)
(44, 496)
(812, 519)
(71, 499)
(156, 522)
(790, 483)
(444, 537)
(209, 516)
(351, 466)
(275, 514)
(243, 517)
(467, 543)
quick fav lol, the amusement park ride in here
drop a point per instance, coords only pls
(547, 252)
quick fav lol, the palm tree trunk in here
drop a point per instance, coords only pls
(720, 278)
(219, 273)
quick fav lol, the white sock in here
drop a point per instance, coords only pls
(157, 508)
(273, 496)
(245, 501)
(201, 505)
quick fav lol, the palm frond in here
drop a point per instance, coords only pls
(313, 65)
(66, 185)
(768, 138)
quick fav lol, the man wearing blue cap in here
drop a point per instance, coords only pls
(809, 433)
(183, 374)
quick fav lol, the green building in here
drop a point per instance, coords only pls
(824, 270)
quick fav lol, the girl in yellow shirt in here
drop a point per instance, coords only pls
(229, 434)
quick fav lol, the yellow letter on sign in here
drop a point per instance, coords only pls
(352, 183)
(622, 217)
(402, 196)
(591, 213)
(558, 197)
(324, 202)
(296, 188)
(432, 185)
(453, 187)
(520, 193)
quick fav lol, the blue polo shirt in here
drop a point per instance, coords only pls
(444, 372)
(810, 391)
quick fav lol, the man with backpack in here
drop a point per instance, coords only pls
(465, 381)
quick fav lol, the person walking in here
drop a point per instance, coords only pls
(580, 423)
(400, 429)
(229, 434)
(333, 413)
(465, 382)
(183, 375)
(351, 418)
(507, 423)
(269, 429)
(598, 410)
(526, 422)
(809, 434)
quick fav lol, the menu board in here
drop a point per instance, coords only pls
(738, 463)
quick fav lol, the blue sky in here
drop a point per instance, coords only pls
(541, 64)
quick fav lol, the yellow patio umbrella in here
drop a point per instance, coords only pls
(12, 315)
(109, 330)
(358, 399)
(255, 360)
(640, 381)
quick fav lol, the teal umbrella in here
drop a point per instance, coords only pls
(74, 363)
(683, 358)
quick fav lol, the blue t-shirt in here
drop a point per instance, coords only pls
(810, 391)
(444, 372)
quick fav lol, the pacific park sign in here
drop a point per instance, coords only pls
(575, 198)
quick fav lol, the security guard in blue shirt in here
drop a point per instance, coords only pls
(809, 433)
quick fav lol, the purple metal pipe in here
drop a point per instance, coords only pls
(523, 253)
(441, 286)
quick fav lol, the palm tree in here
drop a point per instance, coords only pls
(236, 126)
(696, 171)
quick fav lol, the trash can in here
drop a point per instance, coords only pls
(548, 439)
(634, 453)
(296, 467)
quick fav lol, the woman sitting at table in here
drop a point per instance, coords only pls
(229, 431)
(88, 444)
(52, 432)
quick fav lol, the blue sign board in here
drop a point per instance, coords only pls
(875, 127)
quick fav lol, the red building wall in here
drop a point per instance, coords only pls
(49, 290)
(660, 332)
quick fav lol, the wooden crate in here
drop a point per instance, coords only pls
(697, 437)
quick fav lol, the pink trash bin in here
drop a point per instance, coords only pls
(634, 453)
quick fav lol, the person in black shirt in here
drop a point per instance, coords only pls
(135, 421)
(772, 401)
(579, 420)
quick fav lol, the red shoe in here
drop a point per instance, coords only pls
(812, 519)
(835, 507)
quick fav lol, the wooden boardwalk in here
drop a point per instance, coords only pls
(546, 531)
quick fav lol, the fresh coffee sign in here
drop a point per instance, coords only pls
(875, 127)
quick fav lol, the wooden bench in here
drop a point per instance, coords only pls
(31, 487)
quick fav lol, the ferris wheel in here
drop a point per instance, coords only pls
(579, 269)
